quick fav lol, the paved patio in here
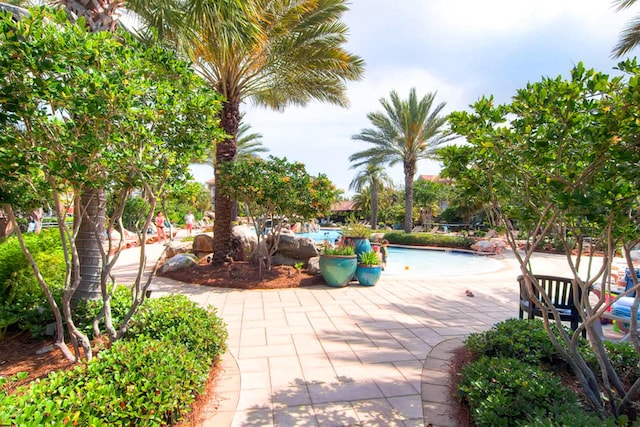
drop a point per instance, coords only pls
(354, 356)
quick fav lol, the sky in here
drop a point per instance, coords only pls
(460, 49)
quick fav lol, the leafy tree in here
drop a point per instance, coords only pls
(561, 162)
(96, 111)
(185, 197)
(428, 195)
(407, 131)
(274, 189)
(374, 178)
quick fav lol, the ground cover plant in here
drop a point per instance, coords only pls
(517, 377)
(149, 378)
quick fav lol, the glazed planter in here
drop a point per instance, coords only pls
(368, 275)
(362, 244)
(338, 270)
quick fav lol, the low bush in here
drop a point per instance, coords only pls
(149, 379)
(624, 359)
(525, 340)
(428, 239)
(505, 391)
(87, 310)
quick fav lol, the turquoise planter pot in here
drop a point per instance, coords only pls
(337, 270)
(362, 245)
(368, 275)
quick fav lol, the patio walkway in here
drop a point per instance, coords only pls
(354, 356)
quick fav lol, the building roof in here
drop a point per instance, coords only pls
(434, 178)
(342, 206)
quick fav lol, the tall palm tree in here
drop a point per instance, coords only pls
(630, 36)
(249, 144)
(407, 131)
(373, 177)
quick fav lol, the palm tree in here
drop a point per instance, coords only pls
(291, 54)
(630, 36)
(373, 177)
(407, 131)
(249, 144)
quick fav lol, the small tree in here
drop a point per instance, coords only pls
(427, 196)
(560, 162)
(273, 190)
(93, 110)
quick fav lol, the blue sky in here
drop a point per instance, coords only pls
(461, 49)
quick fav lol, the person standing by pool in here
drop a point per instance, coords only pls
(188, 220)
(383, 252)
(160, 226)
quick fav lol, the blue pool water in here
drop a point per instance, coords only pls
(330, 234)
(435, 263)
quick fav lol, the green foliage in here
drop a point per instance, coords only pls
(181, 320)
(369, 258)
(86, 311)
(135, 213)
(505, 391)
(346, 250)
(525, 340)
(624, 359)
(357, 230)
(142, 381)
(428, 239)
(185, 197)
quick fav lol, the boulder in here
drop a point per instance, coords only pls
(313, 265)
(243, 242)
(176, 248)
(298, 248)
(202, 244)
(178, 262)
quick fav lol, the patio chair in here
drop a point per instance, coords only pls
(560, 291)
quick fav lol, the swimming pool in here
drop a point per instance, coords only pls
(436, 263)
(330, 234)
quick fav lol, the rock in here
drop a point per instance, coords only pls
(176, 248)
(483, 246)
(202, 244)
(313, 265)
(377, 237)
(178, 262)
(299, 248)
(244, 242)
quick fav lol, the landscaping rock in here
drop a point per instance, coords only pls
(313, 265)
(177, 262)
(202, 244)
(243, 242)
(298, 248)
(176, 248)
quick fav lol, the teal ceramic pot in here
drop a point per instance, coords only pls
(337, 270)
(368, 275)
(362, 245)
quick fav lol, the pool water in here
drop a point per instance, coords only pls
(436, 263)
(330, 234)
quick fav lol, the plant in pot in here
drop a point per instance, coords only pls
(369, 268)
(338, 265)
(358, 234)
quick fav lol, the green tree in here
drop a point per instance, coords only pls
(274, 189)
(630, 36)
(428, 195)
(136, 114)
(278, 53)
(561, 162)
(373, 177)
(405, 132)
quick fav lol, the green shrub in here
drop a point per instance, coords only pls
(505, 391)
(428, 239)
(340, 250)
(178, 318)
(525, 340)
(87, 310)
(369, 258)
(150, 379)
(623, 358)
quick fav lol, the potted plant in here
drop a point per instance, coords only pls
(338, 265)
(369, 268)
(358, 234)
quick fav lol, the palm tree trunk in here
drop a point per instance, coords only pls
(91, 212)
(374, 205)
(225, 152)
(409, 172)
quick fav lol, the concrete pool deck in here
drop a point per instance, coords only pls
(353, 356)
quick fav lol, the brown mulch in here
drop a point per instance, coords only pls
(19, 352)
(243, 275)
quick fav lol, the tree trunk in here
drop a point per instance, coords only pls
(91, 213)
(374, 206)
(225, 152)
(409, 172)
